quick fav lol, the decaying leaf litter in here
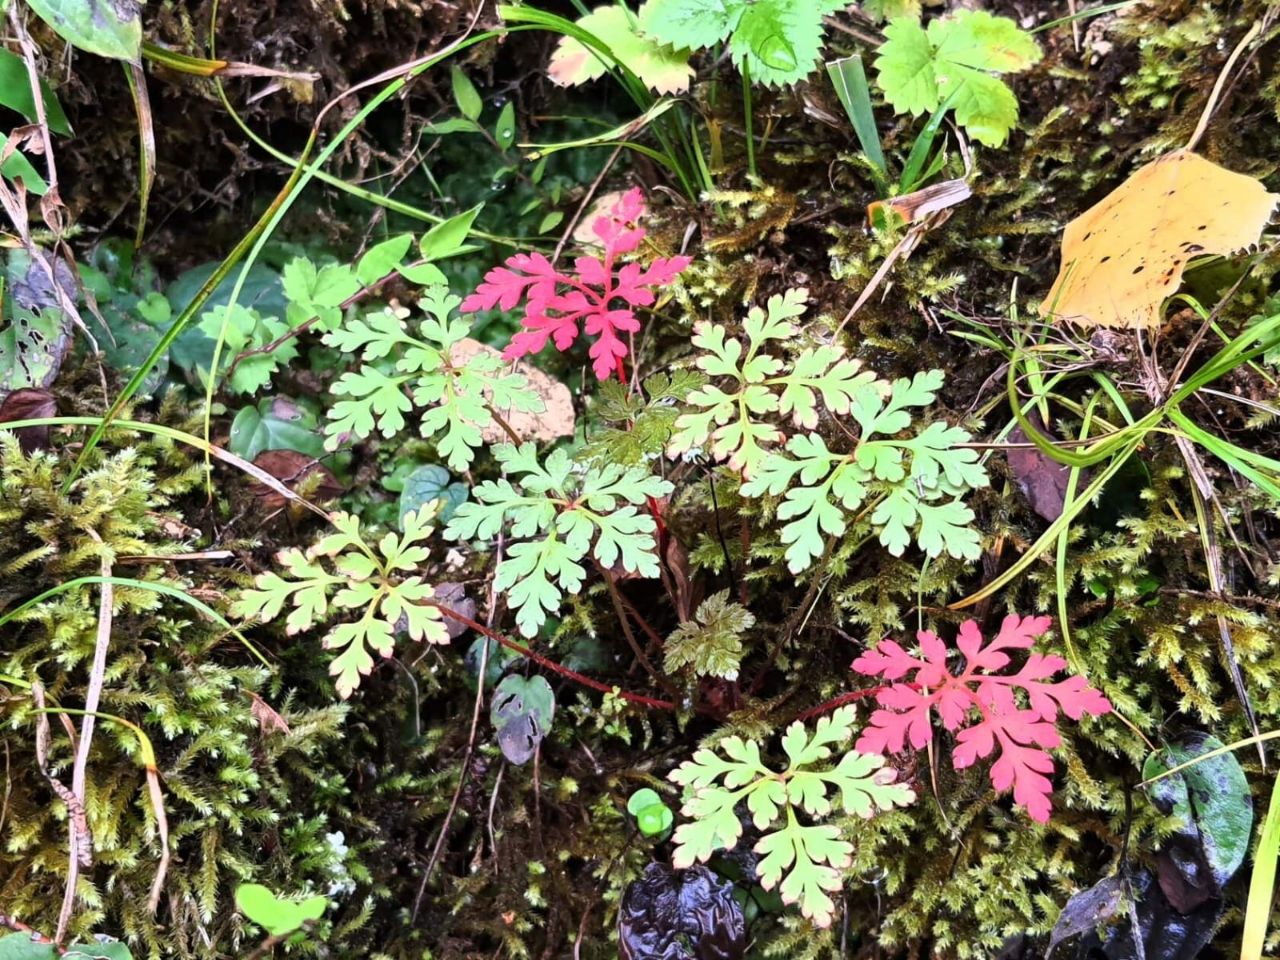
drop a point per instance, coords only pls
(737, 544)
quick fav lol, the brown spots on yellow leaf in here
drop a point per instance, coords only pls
(1173, 209)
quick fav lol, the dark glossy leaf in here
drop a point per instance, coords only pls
(263, 291)
(680, 915)
(1213, 801)
(521, 713)
(1167, 933)
(1087, 911)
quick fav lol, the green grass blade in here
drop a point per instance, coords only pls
(919, 155)
(850, 82)
(1262, 882)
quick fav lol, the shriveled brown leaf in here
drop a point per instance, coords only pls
(454, 596)
(305, 475)
(29, 404)
(1042, 480)
(265, 717)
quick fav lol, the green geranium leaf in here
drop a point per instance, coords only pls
(563, 514)
(956, 59)
(802, 861)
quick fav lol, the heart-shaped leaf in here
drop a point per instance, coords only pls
(1213, 801)
(278, 917)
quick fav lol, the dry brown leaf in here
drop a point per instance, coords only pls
(1124, 256)
(305, 475)
(555, 421)
(268, 720)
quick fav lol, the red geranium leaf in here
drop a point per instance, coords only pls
(556, 302)
(1012, 716)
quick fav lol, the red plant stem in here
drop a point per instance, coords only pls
(840, 701)
(621, 370)
(637, 698)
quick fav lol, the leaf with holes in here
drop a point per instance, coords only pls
(521, 713)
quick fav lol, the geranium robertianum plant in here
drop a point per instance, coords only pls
(1020, 732)
(599, 294)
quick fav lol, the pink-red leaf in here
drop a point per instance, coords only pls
(557, 302)
(981, 706)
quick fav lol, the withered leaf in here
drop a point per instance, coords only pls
(305, 475)
(29, 404)
(1124, 256)
(267, 719)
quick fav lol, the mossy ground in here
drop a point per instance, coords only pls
(535, 858)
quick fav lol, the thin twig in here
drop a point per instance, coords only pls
(92, 697)
(1216, 92)
(625, 622)
(636, 698)
(471, 743)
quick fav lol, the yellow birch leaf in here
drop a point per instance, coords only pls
(1124, 256)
